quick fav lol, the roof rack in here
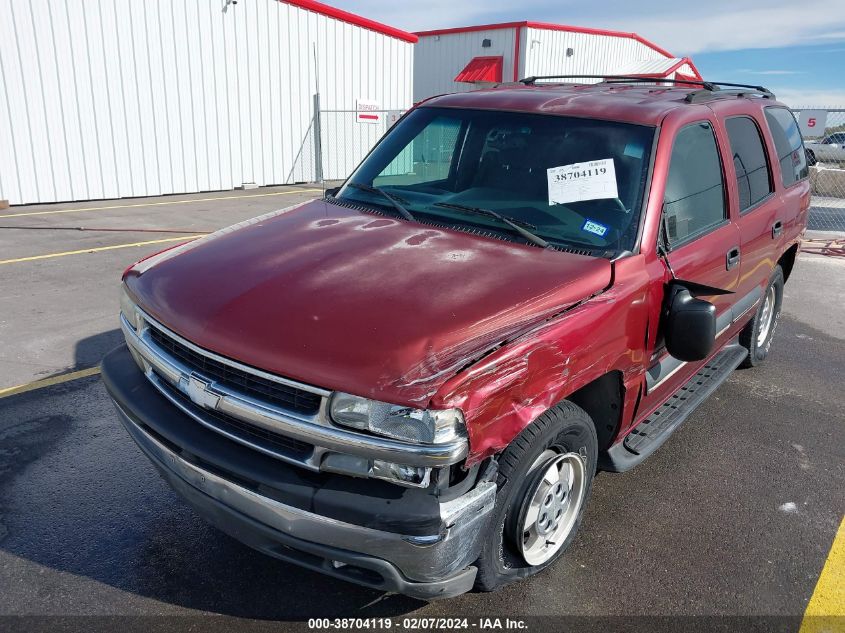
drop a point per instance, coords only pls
(709, 89)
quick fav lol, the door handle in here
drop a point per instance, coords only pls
(777, 229)
(732, 258)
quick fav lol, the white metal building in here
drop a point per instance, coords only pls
(466, 58)
(105, 99)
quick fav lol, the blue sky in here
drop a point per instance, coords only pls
(795, 47)
(804, 75)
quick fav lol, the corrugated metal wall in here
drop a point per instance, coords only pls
(545, 53)
(118, 98)
(440, 58)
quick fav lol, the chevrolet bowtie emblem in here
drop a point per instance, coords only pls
(198, 391)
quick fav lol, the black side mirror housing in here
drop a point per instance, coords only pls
(690, 326)
(331, 193)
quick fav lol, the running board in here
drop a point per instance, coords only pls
(651, 433)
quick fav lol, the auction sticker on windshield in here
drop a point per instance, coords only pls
(593, 180)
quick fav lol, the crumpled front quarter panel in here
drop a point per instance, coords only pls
(507, 390)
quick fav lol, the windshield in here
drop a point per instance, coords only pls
(573, 182)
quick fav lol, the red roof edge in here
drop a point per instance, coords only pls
(468, 29)
(548, 26)
(668, 71)
(697, 74)
(352, 18)
(676, 66)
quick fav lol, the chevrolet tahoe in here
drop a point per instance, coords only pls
(411, 382)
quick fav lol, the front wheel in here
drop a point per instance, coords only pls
(757, 335)
(811, 157)
(545, 479)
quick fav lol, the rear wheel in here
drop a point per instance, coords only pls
(545, 479)
(757, 335)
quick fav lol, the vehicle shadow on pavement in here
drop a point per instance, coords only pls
(77, 496)
(241, 582)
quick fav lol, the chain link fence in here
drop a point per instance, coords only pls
(345, 139)
(825, 146)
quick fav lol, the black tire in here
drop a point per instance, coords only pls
(758, 350)
(565, 427)
(811, 157)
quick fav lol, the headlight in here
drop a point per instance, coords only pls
(401, 423)
(128, 308)
(129, 311)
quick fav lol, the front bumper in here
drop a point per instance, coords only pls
(255, 499)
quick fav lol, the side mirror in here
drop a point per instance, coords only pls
(690, 326)
(331, 193)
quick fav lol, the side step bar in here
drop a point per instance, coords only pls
(651, 433)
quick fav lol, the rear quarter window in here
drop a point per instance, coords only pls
(751, 164)
(788, 144)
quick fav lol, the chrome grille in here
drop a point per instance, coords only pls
(260, 388)
(273, 442)
(234, 400)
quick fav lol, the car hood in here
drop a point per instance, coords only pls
(357, 302)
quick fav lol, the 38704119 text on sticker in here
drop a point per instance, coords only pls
(593, 180)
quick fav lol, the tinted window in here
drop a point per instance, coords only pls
(695, 191)
(429, 154)
(750, 162)
(788, 144)
(575, 182)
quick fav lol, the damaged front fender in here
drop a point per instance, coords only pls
(505, 391)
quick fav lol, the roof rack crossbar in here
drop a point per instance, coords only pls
(708, 87)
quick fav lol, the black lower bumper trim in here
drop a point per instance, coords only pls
(350, 566)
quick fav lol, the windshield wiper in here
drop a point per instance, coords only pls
(515, 224)
(393, 201)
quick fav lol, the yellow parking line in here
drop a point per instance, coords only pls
(157, 204)
(48, 382)
(826, 610)
(183, 238)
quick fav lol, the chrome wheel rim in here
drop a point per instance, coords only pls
(767, 315)
(553, 504)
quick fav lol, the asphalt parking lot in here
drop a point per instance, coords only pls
(733, 517)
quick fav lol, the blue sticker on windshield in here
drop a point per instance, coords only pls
(591, 226)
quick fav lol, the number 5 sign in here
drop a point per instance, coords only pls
(812, 122)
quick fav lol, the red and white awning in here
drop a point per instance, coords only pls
(482, 70)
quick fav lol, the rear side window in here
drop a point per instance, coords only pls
(694, 201)
(750, 162)
(788, 144)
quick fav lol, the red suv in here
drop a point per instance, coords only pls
(411, 383)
